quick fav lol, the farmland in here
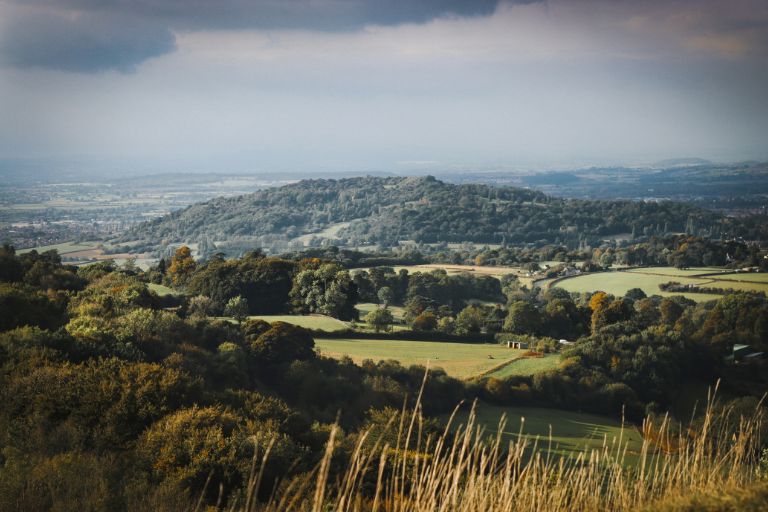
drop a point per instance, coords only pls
(458, 269)
(366, 307)
(63, 248)
(572, 432)
(649, 279)
(527, 366)
(318, 322)
(162, 290)
(461, 360)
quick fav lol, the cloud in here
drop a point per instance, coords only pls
(97, 35)
(84, 42)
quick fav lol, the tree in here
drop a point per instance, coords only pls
(562, 319)
(647, 312)
(264, 282)
(380, 319)
(10, 266)
(598, 299)
(283, 343)
(386, 295)
(417, 304)
(608, 313)
(470, 320)
(635, 294)
(426, 321)
(447, 325)
(327, 289)
(670, 311)
(189, 446)
(522, 318)
(237, 308)
(201, 306)
(182, 266)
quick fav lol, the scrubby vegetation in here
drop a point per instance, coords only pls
(115, 398)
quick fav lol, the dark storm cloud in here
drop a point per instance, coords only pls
(96, 35)
(84, 43)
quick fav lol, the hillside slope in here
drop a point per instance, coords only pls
(359, 211)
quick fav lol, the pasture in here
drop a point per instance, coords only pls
(676, 272)
(398, 312)
(571, 432)
(527, 366)
(751, 277)
(710, 277)
(496, 272)
(619, 282)
(460, 360)
(319, 322)
(162, 290)
(63, 248)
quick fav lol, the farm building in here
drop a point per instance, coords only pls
(517, 344)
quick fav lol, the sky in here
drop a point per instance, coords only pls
(398, 85)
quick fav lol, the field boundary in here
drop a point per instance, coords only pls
(496, 368)
(439, 337)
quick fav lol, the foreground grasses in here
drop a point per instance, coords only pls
(462, 470)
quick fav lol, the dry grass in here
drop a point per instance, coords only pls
(466, 472)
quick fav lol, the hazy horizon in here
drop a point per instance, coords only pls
(364, 86)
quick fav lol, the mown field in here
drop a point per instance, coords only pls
(649, 279)
(458, 269)
(527, 366)
(571, 432)
(398, 312)
(322, 322)
(162, 290)
(461, 360)
(745, 277)
(62, 249)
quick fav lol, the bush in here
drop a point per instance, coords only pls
(426, 321)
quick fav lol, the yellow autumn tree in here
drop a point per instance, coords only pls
(182, 265)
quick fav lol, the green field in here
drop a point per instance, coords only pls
(64, 248)
(572, 432)
(745, 277)
(162, 290)
(458, 269)
(676, 272)
(528, 366)
(711, 277)
(618, 283)
(321, 322)
(461, 360)
(366, 307)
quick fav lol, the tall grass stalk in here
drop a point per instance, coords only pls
(463, 470)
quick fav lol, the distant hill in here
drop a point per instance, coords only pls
(376, 210)
(681, 162)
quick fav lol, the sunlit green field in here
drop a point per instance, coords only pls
(162, 290)
(528, 366)
(461, 360)
(618, 283)
(746, 277)
(321, 322)
(366, 307)
(571, 432)
(710, 277)
(64, 248)
(458, 269)
(677, 272)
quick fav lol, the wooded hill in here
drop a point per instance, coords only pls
(365, 210)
